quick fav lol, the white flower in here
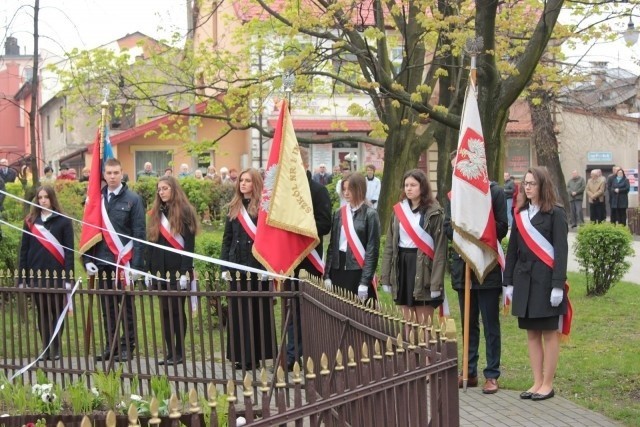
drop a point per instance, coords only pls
(95, 391)
(46, 387)
(241, 421)
(136, 398)
(121, 405)
(48, 397)
(36, 389)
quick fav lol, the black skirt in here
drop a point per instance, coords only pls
(406, 280)
(539, 323)
(348, 279)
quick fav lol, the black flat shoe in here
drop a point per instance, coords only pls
(53, 357)
(526, 395)
(538, 396)
(167, 361)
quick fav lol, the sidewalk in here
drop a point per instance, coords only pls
(506, 409)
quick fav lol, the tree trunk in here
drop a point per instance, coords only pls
(546, 143)
(29, 193)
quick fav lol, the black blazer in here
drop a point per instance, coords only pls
(34, 256)
(237, 245)
(167, 261)
(532, 280)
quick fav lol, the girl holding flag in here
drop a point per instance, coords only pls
(172, 223)
(415, 253)
(251, 322)
(535, 276)
(352, 255)
(47, 247)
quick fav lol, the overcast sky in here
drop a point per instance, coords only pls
(65, 24)
(85, 24)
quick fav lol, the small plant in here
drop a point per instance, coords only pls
(81, 399)
(108, 384)
(160, 388)
(602, 251)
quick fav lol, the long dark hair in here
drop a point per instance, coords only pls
(426, 195)
(357, 187)
(235, 204)
(181, 214)
(546, 190)
(36, 209)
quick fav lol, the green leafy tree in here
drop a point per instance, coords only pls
(602, 250)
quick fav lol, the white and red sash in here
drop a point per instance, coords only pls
(543, 249)
(353, 240)
(316, 260)
(48, 240)
(418, 235)
(247, 223)
(122, 253)
(175, 240)
(356, 246)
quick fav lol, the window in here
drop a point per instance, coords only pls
(345, 64)
(123, 116)
(48, 128)
(205, 160)
(396, 58)
(160, 160)
(61, 119)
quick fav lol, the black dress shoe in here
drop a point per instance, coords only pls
(167, 361)
(526, 395)
(174, 360)
(103, 356)
(43, 357)
(538, 396)
(122, 357)
(53, 356)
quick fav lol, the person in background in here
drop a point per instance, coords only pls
(619, 198)
(485, 298)
(224, 174)
(212, 174)
(610, 179)
(173, 224)
(373, 186)
(126, 213)
(535, 276)
(2, 196)
(415, 252)
(184, 171)
(322, 177)
(6, 173)
(595, 197)
(233, 176)
(168, 172)
(47, 247)
(66, 173)
(85, 174)
(509, 187)
(147, 171)
(345, 173)
(251, 321)
(343, 267)
(48, 178)
(197, 174)
(575, 187)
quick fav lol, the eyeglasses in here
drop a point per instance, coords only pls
(162, 189)
(529, 184)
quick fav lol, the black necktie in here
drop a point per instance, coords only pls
(111, 196)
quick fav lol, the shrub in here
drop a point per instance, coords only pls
(208, 244)
(13, 209)
(9, 249)
(601, 251)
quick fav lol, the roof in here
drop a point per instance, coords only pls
(519, 118)
(608, 88)
(327, 125)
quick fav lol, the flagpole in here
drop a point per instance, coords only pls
(104, 105)
(473, 47)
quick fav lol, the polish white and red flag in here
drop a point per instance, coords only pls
(474, 236)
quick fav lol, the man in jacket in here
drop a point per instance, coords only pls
(7, 174)
(322, 213)
(575, 187)
(373, 186)
(125, 211)
(595, 197)
(509, 188)
(485, 301)
(322, 177)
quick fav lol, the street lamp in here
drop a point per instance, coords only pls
(352, 158)
(631, 34)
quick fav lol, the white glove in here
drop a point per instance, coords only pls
(508, 292)
(264, 277)
(435, 294)
(148, 281)
(92, 269)
(363, 292)
(556, 297)
(226, 276)
(183, 282)
(327, 284)
(135, 277)
(386, 288)
(68, 286)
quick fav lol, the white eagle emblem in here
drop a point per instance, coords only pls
(472, 163)
(270, 176)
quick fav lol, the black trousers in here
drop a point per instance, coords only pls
(174, 323)
(48, 310)
(485, 303)
(111, 305)
(597, 211)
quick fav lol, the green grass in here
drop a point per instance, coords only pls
(599, 367)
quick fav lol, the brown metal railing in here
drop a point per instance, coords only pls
(362, 365)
